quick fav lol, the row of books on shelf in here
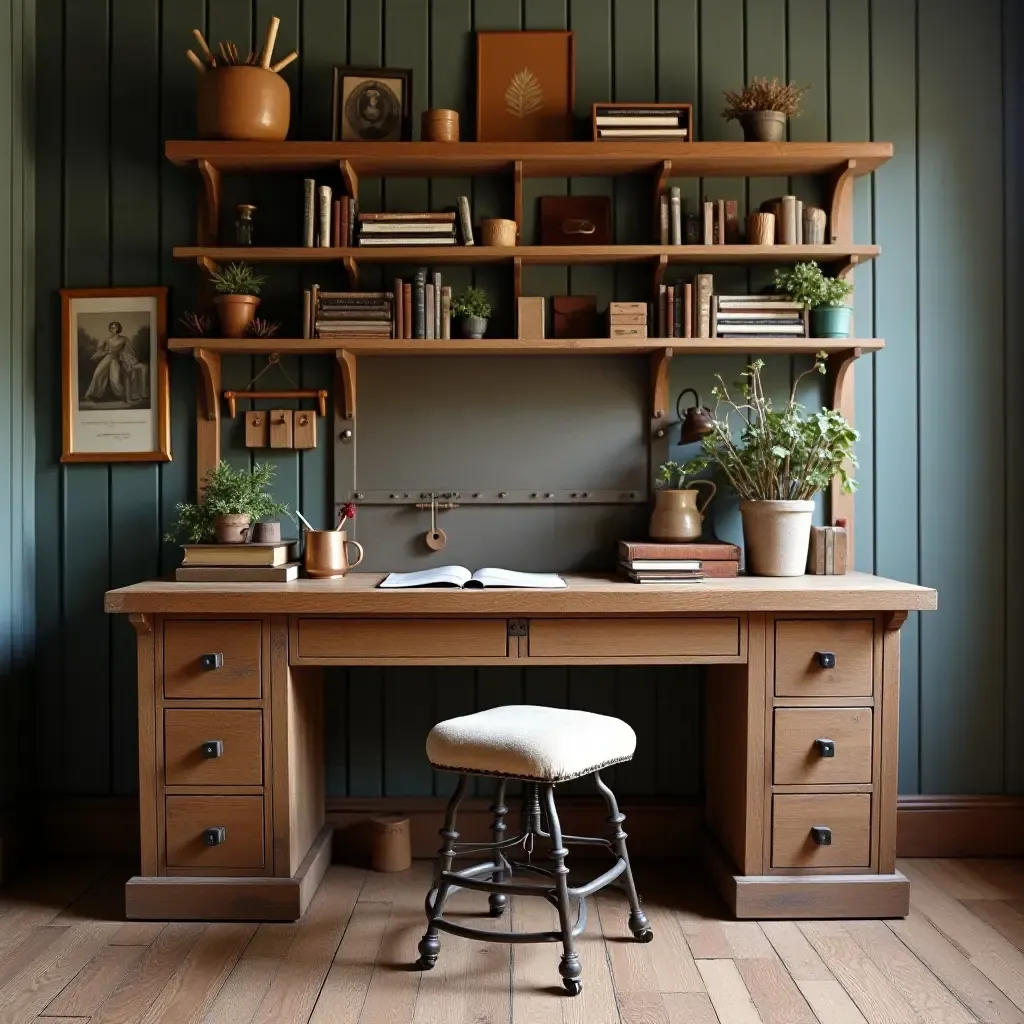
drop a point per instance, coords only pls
(420, 308)
(717, 222)
(691, 310)
(648, 562)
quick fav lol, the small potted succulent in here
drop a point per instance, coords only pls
(824, 296)
(762, 108)
(230, 502)
(238, 288)
(474, 308)
(776, 462)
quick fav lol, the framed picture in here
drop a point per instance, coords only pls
(525, 86)
(116, 405)
(372, 105)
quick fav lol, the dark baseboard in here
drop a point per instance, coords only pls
(927, 826)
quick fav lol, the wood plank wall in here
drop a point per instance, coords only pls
(17, 513)
(940, 453)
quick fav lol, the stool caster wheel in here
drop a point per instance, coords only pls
(645, 936)
(573, 986)
(425, 965)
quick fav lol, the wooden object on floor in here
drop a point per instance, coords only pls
(392, 850)
(774, 647)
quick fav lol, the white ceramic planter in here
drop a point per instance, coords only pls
(776, 536)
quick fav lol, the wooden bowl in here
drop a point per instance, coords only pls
(243, 102)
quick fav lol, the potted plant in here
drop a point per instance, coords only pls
(474, 308)
(231, 501)
(824, 296)
(762, 108)
(676, 515)
(238, 288)
(776, 464)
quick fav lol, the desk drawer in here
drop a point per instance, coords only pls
(847, 816)
(843, 754)
(240, 762)
(802, 649)
(394, 640)
(635, 638)
(204, 658)
(241, 817)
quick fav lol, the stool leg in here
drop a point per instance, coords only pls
(498, 901)
(570, 967)
(638, 923)
(430, 944)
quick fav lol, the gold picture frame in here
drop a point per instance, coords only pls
(115, 384)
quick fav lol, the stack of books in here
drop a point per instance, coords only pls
(238, 563)
(656, 562)
(642, 123)
(406, 229)
(353, 314)
(762, 316)
(327, 222)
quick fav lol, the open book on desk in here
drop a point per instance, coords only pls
(460, 576)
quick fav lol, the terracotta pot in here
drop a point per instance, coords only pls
(231, 529)
(236, 312)
(763, 126)
(242, 102)
(776, 536)
(677, 516)
(327, 553)
(473, 326)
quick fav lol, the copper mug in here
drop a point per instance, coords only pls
(327, 553)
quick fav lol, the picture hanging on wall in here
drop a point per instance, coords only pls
(372, 105)
(116, 405)
(525, 86)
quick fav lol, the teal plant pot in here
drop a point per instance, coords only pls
(831, 322)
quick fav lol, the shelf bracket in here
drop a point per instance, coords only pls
(660, 186)
(347, 392)
(207, 414)
(840, 377)
(893, 621)
(350, 178)
(352, 269)
(517, 279)
(661, 364)
(517, 192)
(659, 273)
(209, 206)
(840, 219)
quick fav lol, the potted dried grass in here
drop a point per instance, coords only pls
(763, 107)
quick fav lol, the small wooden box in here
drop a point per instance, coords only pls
(627, 318)
(304, 428)
(280, 428)
(627, 331)
(257, 429)
(530, 321)
(620, 308)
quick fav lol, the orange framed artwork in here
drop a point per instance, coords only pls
(525, 86)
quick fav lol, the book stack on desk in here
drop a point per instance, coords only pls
(656, 562)
(238, 563)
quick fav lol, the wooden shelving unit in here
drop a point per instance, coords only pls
(839, 163)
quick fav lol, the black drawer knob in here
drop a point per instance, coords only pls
(822, 835)
(826, 659)
(214, 748)
(215, 836)
(211, 661)
(827, 748)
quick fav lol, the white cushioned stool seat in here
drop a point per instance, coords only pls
(523, 741)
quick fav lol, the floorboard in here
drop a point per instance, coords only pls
(67, 956)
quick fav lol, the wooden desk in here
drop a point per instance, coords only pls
(241, 664)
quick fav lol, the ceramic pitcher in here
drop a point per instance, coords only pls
(677, 516)
(327, 553)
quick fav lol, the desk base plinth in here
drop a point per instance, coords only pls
(218, 898)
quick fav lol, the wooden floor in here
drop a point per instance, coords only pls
(67, 955)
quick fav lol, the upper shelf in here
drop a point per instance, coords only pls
(535, 255)
(538, 159)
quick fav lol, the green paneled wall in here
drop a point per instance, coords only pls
(940, 455)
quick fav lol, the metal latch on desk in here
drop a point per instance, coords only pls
(518, 627)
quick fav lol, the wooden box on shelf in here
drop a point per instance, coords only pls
(530, 321)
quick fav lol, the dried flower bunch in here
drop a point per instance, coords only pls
(764, 94)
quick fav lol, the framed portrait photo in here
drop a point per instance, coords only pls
(116, 406)
(372, 105)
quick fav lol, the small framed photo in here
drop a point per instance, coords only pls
(372, 105)
(116, 405)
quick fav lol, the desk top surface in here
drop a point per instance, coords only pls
(358, 594)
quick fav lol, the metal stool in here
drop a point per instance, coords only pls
(542, 747)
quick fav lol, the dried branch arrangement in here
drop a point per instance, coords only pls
(229, 56)
(764, 94)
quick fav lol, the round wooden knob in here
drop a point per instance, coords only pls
(435, 539)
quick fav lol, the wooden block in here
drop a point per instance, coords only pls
(257, 429)
(627, 318)
(304, 428)
(280, 428)
(839, 561)
(616, 308)
(625, 331)
(531, 317)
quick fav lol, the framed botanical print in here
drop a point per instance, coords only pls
(525, 86)
(372, 105)
(116, 406)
